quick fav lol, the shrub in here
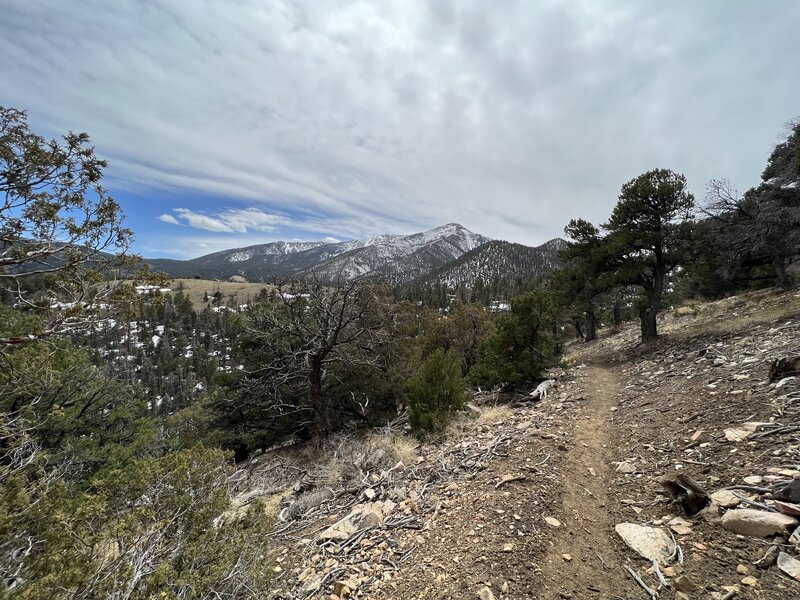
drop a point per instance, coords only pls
(436, 392)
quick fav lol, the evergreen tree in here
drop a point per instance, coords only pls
(649, 235)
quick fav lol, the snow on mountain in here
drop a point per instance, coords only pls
(390, 258)
(498, 261)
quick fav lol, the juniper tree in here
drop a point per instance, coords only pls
(649, 235)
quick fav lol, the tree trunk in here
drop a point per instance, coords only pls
(779, 265)
(315, 400)
(647, 316)
(591, 325)
(617, 314)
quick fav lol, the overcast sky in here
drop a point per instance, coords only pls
(228, 123)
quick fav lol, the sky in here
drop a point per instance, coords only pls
(228, 123)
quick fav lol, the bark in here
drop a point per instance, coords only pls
(779, 265)
(591, 325)
(647, 316)
(315, 399)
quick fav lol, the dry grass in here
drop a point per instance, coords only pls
(197, 288)
(349, 458)
(495, 415)
(734, 314)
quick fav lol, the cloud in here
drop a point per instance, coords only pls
(229, 221)
(365, 118)
(167, 218)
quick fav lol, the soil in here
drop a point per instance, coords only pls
(489, 536)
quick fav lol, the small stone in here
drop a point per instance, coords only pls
(508, 547)
(486, 594)
(701, 436)
(725, 498)
(567, 557)
(370, 493)
(737, 434)
(680, 526)
(682, 596)
(683, 584)
(750, 581)
(742, 570)
(754, 480)
(552, 521)
(625, 468)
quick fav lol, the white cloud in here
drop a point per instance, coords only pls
(229, 221)
(330, 240)
(509, 117)
(167, 218)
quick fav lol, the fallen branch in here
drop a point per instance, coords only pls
(509, 479)
(643, 585)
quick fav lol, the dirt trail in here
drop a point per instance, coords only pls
(585, 534)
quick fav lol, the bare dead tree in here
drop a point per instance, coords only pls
(306, 329)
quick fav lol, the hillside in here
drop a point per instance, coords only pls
(525, 500)
(498, 260)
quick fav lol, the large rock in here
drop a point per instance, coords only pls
(651, 543)
(757, 523)
(361, 517)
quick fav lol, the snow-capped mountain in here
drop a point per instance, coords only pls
(390, 258)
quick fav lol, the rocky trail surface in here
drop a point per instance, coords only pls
(579, 495)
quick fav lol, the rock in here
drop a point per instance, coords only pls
(766, 561)
(370, 493)
(683, 584)
(344, 589)
(754, 480)
(742, 570)
(366, 515)
(787, 508)
(486, 594)
(756, 523)
(750, 581)
(725, 498)
(508, 547)
(789, 565)
(680, 526)
(737, 434)
(552, 521)
(651, 543)
(625, 468)
(311, 585)
(701, 437)
(755, 426)
(682, 596)
(567, 557)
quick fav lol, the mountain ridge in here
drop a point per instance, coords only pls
(391, 258)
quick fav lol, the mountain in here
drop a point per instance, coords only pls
(391, 258)
(498, 261)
